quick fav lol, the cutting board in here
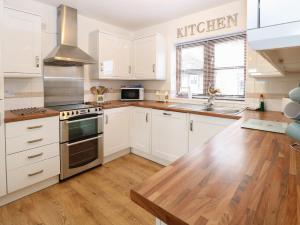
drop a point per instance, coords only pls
(265, 125)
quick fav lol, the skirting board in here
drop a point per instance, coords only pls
(150, 157)
(28, 190)
(116, 155)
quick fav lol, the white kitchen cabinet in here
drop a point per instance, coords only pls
(258, 66)
(140, 130)
(169, 135)
(252, 14)
(116, 130)
(2, 150)
(149, 55)
(278, 12)
(21, 44)
(113, 56)
(203, 128)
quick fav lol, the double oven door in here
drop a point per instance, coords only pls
(81, 145)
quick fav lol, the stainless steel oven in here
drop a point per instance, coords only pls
(81, 138)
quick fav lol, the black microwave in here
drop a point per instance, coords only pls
(132, 94)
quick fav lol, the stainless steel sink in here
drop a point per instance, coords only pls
(203, 108)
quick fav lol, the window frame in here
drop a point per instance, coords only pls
(209, 67)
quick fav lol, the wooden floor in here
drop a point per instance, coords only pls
(97, 197)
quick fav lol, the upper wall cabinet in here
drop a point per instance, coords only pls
(258, 66)
(113, 55)
(21, 44)
(149, 55)
(286, 11)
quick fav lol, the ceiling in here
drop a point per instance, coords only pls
(136, 14)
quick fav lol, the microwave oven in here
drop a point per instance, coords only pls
(132, 94)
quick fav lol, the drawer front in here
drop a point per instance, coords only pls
(29, 175)
(35, 133)
(30, 127)
(167, 113)
(29, 157)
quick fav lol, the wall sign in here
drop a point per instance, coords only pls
(219, 23)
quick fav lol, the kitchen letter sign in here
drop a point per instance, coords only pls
(208, 26)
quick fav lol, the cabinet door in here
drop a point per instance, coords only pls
(140, 129)
(169, 135)
(145, 58)
(203, 128)
(274, 12)
(123, 58)
(2, 151)
(116, 130)
(107, 55)
(21, 44)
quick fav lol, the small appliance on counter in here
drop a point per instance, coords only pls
(162, 96)
(292, 111)
(132, 93)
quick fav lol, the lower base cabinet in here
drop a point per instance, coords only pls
(203, 128)
(169, 135)
(116, 130)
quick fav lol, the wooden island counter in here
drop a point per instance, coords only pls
(240, 177)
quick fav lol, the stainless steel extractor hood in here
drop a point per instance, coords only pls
(66, 53)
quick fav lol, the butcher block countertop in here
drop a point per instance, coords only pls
(11, 117)
(163, 106)
(240, 177)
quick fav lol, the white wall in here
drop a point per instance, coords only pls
(21, 93)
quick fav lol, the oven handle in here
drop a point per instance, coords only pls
(90, 118)
(83, 141)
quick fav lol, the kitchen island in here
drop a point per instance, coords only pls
(239, 177)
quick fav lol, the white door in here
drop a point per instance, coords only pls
(21, 43)
(2, 152)
(145, 57)
(116, 130)
(203, 128)
(107, 54)
(169, 135)
(123, 58)
(273, 12)
(140, 129)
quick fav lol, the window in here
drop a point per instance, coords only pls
(219, 62)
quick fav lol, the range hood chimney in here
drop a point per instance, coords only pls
(66, 53)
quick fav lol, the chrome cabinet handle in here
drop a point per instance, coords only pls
(83, 141)
(37, 61)
(34, 141)
(147, 119)
(167, 114)
(295, 147)
(129, 69)
(34, 127)
(191, 125)
(153, 68)
(35, 173)
(101, 67)
(106, 119)
(35, 156)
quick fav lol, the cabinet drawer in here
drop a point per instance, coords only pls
(36, 126)
(31, 134)
(167, 113)
(29, 175)
(29, 157)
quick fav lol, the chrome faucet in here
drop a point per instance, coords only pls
(212, 92)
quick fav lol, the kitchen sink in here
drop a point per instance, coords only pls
(203, 108)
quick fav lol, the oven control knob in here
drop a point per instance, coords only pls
(88, 110)
(96, 109)
(62, 114)
(77, 112)
(68, 113)
(72, 113)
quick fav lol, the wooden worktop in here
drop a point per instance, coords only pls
(240, 177)
(11, 117)
(162, 106)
